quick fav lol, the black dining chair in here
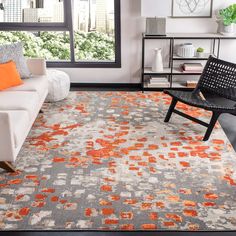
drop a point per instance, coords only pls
(218, 78)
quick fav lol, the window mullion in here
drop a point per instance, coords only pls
(117, 33)
(69, 19)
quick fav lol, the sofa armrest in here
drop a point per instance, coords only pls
(37, 66)
(6, 138)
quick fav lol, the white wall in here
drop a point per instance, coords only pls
(132, 26)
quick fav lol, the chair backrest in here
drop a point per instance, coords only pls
(219, 77)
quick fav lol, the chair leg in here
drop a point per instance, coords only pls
(171, 109)
(211, 126)
(7, 166)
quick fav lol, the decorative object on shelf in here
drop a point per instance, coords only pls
(220, 26)
(186, 50)
(219, 22)
(156, 12)
(156, 26)
(192, 8)
(191, 67)
(157, 65)
(191, 84)
(200, 52)
(228, 17)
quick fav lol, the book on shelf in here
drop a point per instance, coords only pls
(158, 82)
(159, 85)
(158, 79)
(191, 67)
(191, 84)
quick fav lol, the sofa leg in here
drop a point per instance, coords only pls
(7, 166)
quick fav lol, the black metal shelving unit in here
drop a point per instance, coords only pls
(171, 70)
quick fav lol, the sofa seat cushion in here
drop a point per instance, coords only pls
(37, 84)
(19, 122)
(14, 100)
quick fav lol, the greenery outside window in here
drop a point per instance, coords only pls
(53, 46)
(68, 33)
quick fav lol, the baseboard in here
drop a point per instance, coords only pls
(117, 86)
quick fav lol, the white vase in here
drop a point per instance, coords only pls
(200, 54)
(157, 65)
(228, 30)
(186, 50)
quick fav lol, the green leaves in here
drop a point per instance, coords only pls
(228, 15)
(92, 46)
(200, 50)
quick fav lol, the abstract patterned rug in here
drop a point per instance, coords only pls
(106, 160)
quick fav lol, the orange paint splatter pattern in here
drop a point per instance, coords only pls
(107, 161)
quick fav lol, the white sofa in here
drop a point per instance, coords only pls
(19, 107)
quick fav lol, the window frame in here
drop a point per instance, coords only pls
(67, 26)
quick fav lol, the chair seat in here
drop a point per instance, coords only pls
(196, 100)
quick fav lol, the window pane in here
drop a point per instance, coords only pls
(53, 46)
(94, 26)
(31, 11)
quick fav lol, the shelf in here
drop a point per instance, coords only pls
(167, 71)
(179, 85)
(190, 36)
(199, 36)
(177, 71)
(157, 87)
(176, 57)
(148, 71)
(174, 70)
(171, 88)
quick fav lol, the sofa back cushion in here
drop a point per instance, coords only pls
(9, 76)
(15, 53)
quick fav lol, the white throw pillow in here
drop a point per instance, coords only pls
(14, 52)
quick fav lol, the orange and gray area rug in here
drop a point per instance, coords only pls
(107, 161)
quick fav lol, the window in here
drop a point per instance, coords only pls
(95, 19)
(31, 11)
(69, 33)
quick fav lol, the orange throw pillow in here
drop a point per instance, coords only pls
(9, 76)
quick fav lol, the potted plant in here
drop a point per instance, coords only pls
(200, 52)
(228, 17)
